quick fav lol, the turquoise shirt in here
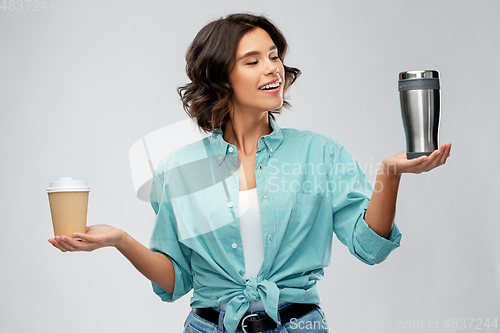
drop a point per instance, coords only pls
(309, 187)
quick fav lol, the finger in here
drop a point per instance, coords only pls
(88, 242)
(87, 237)
(446, 154)
(449, 151)
(416, 161)
(63, 242)
(434, 156)
(444, 151)
(56, 245)
(426, 165)
(437, 159)
(59, 244)
(76, 244)
(429, 163)
(414, 165)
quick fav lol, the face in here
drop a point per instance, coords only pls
(258, 75)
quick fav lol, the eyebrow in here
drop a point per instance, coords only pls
(252, 53)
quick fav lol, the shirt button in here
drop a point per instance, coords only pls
(232, 172)
(230, 204)
(270, 238)
(220, 157)
(234, 245)
(230, 149)
(262, 140)
(271, 149)
(260, 166)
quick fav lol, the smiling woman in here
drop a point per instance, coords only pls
(239, 44)
(233, 222)
(255, 73)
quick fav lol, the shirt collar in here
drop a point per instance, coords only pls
(271, 142)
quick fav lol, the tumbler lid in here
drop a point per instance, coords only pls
(425, 74)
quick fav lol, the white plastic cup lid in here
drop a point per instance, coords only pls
(67, 184)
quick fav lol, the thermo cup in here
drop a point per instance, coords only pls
(68, 201)
(419, 92)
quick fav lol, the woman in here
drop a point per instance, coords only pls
(246, 216)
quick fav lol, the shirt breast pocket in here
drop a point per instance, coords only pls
(202, 211)
(302, 225)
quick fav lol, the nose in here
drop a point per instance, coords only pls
(272, 68)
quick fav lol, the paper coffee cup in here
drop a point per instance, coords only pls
(68, 201)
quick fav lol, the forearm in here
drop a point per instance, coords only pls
(155, 266)
(382, 207)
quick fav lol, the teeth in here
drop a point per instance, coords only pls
(271, 86)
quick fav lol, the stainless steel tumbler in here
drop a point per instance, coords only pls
(419, 93)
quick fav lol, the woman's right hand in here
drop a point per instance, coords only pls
(96, 236)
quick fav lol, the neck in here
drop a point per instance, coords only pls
(244, 131)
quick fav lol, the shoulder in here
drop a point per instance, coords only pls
(309, 137)
(183, 155)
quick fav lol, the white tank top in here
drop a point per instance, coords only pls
(251, 237)
(251, 232)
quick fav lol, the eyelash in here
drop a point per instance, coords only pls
(255, 62)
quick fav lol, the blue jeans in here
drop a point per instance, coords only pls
(312, 322)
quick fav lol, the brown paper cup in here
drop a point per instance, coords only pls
(68, 201)
(69, 212)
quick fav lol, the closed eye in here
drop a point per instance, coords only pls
(256, 61)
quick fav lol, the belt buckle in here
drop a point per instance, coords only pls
(245, 318)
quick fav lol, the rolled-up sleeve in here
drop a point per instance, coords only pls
(351, 193)
(371, 248)
(165, 240)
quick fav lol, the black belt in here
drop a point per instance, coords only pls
(255, 323)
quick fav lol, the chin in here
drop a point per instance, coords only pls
(272, 108)
(276, 105)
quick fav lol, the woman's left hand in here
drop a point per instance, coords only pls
(399, 164)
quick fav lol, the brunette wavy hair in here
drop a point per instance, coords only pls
(210, 59)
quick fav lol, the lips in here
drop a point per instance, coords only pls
(271, 85)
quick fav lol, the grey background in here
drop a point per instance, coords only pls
(81, 82)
